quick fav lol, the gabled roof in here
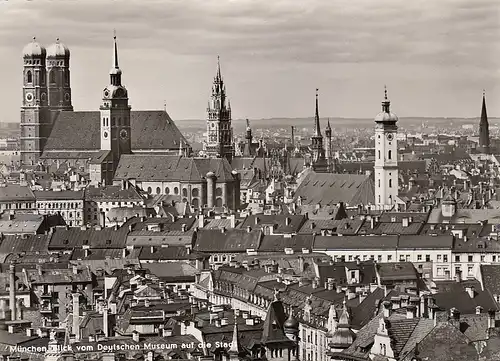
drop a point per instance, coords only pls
(153, 167)
(71, 237)
(150, 130)
(112, 193)
(273, 331)
(330, 189)
(279, 221)
(232, 240)
(16, 193)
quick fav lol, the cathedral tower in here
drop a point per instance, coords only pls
(59, 88)
(35, 118)
(115, 118)
(484, 131)
(318, 152)
(328, 147)
(219, 141)
(386, 157)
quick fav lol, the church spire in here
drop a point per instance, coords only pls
(317, 128)
(115, 73)
(218, 68)
(484, 131)
(386, 103)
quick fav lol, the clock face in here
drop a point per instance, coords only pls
(29, 97)
(105, 135)
(390, 136)
(123, 134)
(106, 93)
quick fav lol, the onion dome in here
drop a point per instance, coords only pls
(291, 323)
(385, 115)
(34, 49)
(57, 50)
(343, 337)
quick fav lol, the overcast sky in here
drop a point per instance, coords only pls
(435, 56)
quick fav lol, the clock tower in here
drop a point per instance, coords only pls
(114, 119)
(35, 119)
(219, 140)
(386, 157)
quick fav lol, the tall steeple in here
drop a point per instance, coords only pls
(318, 152)
(317, 127)
(219, 141)
(484, 131)
(115, 73)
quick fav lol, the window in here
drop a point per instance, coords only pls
(167, 190)
(53, 76)
(176, 190)
(427, 258)
(471, 258)
(493, 258)
(483, 258)
(149, 190)
(29, 77)
(445, 258)
(390, 183)
(457, 258)
(379, 198)
(184, 192)
(419, 258)
(379, 183)
(379, 154)
(195, 192)
(379, 258)
(439, 258)
(470, 271)
(158, 190)
(389, 155)
(389, 258)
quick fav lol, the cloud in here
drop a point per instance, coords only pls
(315, 31)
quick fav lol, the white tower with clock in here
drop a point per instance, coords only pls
(386, 157)
(114, 120)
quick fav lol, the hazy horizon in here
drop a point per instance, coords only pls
(436, 57)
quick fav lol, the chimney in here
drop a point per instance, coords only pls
(183, 227)
(470, 291)
(102, 220)
(455, 314)
(362, 297)
(223, 229)
(76, 316)
(405, 222)
(249, 229)
(135, 336)
(201, 221)
(410, 311)
(86, 252)
(29, 332)
(218, 322)
(314, 284)
(75, 269)
(12, 291)
(256, 220)
(351, 294)
(152, 249)
(479, 310)
(372, 223)
(287, 221)
(387, 305)
(105, 321)
(491, 318)
(124, 253)
(167, 332)
(339, 289)
(232, 219)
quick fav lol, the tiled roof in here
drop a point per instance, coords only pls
(59, 276)
(112, 193)
(471, 216)
(397, 271)
(330, 189)
(150, 130)
(382, 242)
(344, 226)
(73, 237)
(58, 195)
(463, 302)
(155, 167)
(16, 193)
(171, 270)
(25, 243)
(174, 253)
(279, 221)
(491, 278)
(232, 240)
(279, 243)
(21, 223)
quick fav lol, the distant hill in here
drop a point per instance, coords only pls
(278, 123)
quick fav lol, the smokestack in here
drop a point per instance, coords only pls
(105, 325)
(12, 291)
(76, 316)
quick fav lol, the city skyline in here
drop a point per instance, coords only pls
(435, 59)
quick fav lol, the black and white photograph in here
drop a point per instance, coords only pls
(249, 180)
